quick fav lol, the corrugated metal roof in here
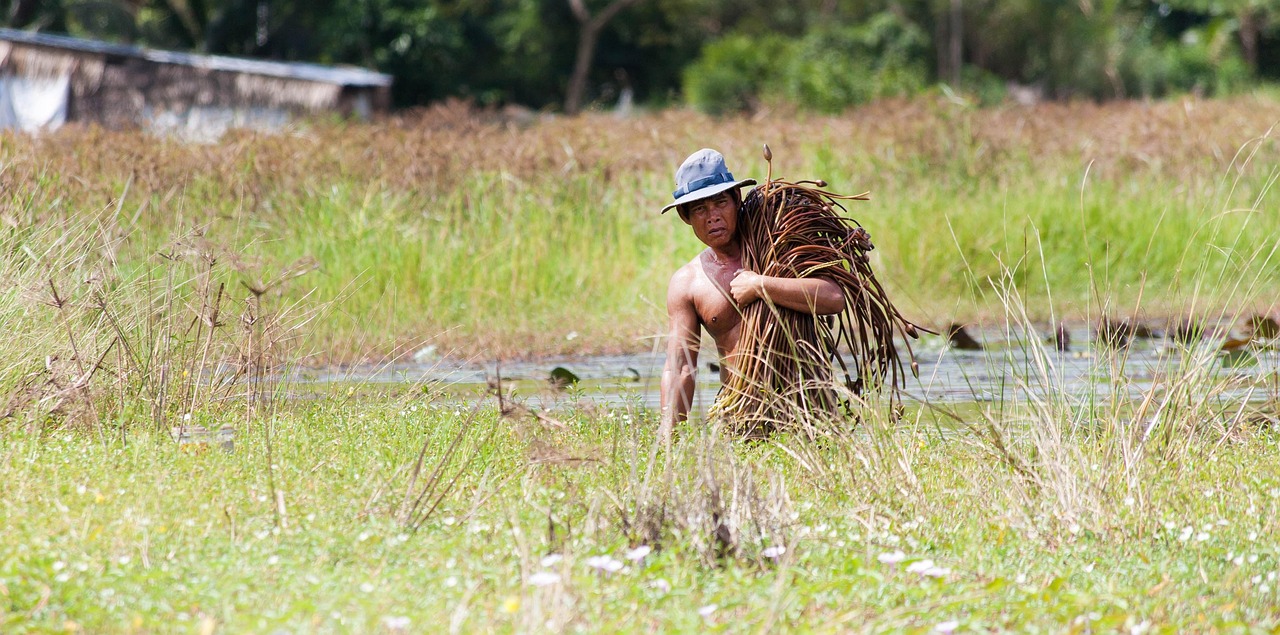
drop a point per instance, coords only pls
(345, 76)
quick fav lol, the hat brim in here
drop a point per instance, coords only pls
(707, 192)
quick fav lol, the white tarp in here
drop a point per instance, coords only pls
(31, 104)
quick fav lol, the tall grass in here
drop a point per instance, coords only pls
(495, 237)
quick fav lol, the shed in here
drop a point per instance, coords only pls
(47, 80)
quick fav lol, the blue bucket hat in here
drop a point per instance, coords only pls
(703, 175)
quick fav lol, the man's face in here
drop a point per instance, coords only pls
(714, 219)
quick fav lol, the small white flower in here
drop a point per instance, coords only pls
(1021, 579)
(919, 566)
(891, 558)
(544, 578)
(1186, 533)
(948, 626)
(1168, 524)
(451, 581)
(774, 552)
(1222, 522)
(707, 610)
(936, 572)
(366, 587)
(604, 563)
(123, 559)
(1074, 529)
(661, 584)
(186, 417)
(1257, 579)
(1128, 501)
(1238, 560)
(59, 565)
(1088, 568)
(551, 559)
(1202, 536)
(1253, 535)
(1265, 588)
(395, 623)
(273, 560)
(638, 554)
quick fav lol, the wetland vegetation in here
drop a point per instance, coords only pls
(148, 287)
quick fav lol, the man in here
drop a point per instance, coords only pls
(713, 288)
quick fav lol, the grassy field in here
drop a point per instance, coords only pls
(147, 286)
(488, 239)
(893, 529)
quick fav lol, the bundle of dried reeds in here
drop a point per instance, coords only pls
(785, 361)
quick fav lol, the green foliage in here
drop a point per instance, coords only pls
(734, 73)
(829, 69)
(835, 67)
(725, 55)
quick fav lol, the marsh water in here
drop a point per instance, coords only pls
(1005, 368)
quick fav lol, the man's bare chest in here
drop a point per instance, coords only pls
(716, 309)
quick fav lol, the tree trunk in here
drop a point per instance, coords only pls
(957, 41)
(22, 13)
(1250, 29)
(581, 68)
(587, 39)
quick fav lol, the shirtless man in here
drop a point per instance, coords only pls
(711, 290)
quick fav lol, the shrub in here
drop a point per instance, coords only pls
(829, 69)
(732, 73)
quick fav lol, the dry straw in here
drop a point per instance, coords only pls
(786, 359)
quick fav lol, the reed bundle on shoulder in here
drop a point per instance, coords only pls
(784, 366)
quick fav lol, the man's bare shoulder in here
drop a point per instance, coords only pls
(684, 280)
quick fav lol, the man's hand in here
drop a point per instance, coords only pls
(818, 296)
(746, 287)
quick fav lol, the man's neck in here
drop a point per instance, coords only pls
(729, 254)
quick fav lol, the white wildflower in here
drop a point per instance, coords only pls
(891, 558)
(936, 572)
(604, 563)
(544, 578)
(948, 626)
(661, 584)
(551, 559)
(395, 623)
(707, 610)
(774, 551)
(920, 566)
(638, 554)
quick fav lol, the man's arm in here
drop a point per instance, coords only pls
(683, 338)
(809, 295)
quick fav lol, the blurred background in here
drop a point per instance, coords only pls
(716, 55)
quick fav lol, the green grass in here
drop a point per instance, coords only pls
(143, 536)
(181, 270)
(495, 241)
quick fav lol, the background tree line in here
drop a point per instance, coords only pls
(719, 55)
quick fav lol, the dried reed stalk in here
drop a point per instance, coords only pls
(785, 359)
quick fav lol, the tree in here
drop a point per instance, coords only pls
(588, 37)
(1253, 19)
